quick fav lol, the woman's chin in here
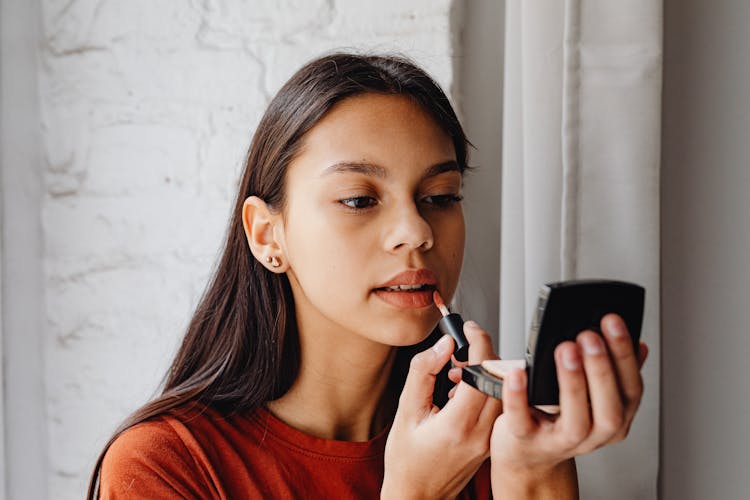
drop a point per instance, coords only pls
(406, 335)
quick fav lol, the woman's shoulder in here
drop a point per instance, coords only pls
(156, 458)
(152, 437)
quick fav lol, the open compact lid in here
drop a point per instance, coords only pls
(566, 308)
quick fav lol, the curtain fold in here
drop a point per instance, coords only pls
(581, 135)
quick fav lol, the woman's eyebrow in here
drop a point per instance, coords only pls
(373, 170)
(446, 166)
(357, 168)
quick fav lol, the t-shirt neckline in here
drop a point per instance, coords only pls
(301, 441)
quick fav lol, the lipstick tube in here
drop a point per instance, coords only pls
(452, 324)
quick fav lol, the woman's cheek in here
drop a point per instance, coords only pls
(451, 242)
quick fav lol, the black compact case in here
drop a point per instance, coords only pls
(564, 309)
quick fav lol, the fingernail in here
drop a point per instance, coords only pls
(515, 380)
(616, 329)
(570, 360)
(592, 345)
(471, 324)
(441, 346)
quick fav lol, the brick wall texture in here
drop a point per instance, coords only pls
(147, 111)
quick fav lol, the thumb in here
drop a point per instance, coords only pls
(416, 398)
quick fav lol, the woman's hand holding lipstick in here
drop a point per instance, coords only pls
(432, 452)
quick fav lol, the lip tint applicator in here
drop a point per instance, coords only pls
(452, 324)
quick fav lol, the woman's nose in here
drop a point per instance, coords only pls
(408, 230)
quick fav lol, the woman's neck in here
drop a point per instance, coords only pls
(341, 390)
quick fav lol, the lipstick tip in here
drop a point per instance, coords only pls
(439, 303)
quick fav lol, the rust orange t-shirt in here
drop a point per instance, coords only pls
(197, 453)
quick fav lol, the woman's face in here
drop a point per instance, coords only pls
(373, 202)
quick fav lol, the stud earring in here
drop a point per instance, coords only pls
(274, 261)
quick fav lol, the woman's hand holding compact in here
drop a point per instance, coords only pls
(600, 391)
(433, 452)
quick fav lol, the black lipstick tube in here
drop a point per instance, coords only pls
(453, 325)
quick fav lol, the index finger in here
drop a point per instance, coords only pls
(416, 397)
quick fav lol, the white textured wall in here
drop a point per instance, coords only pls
(147, 110)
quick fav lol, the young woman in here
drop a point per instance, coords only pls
(310, 369)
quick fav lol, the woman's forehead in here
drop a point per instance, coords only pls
(375, 133)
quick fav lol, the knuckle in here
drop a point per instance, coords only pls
(521, 433)
(624, 431)
(521, 430)
(620, 436)
(576, 435)
(633, 397)
(479, 447)
(617, 438)
(469, 440)
(454, 439)
(419, 363)
(481, 333)
(570, 442)
(611, 424)
(516, 428)
(638, 389)
(482, 450)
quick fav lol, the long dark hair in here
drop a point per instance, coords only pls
(241, 347)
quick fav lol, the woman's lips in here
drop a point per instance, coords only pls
(413, 298)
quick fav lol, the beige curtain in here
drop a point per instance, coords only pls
(580, 195)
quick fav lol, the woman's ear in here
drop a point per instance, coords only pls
(259, 222)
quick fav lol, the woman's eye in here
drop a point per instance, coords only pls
(443, 200)
(359, 202)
